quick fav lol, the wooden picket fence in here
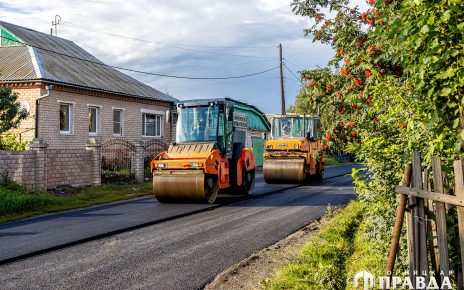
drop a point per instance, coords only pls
(425, 203)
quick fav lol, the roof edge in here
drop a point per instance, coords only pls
(35, 62)
(52, 82)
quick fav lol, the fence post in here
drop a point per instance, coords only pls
(398, 223)
(39, 147)
(442, 234)
(96, 161)
(459, 191)
(431, 227)
(419, 219)
(138, 164)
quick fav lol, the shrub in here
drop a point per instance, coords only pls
(10, 143)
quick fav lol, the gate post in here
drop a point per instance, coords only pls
(39, 147)
(138, 166)
(96, 161)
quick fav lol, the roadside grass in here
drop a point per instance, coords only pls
(16, 202)
(366, 256)
(322, 262)
(330, 161)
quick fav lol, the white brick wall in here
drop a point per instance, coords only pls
(49, 168)
(49, 129)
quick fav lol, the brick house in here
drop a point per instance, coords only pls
(79, 97)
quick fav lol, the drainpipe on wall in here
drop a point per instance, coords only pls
(37, 102)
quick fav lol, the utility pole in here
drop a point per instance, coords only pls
(282, 93)
(55, 23)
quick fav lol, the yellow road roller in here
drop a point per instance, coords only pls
(290, 155)
(209, 154)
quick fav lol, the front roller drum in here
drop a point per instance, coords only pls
(284, 170)
(179, 188)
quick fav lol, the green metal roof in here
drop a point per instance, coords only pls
(256, 119)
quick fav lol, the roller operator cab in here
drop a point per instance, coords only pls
(291, 154)
(209, 154)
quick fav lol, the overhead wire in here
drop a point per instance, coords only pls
(293, 61)
(297, 78)
(144, 72)
(223, 65)
(225, 82)
(173, 45)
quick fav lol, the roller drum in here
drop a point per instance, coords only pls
(284, 170)
(178, 188)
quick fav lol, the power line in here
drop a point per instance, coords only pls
(169, 43)
(224, 83)
(173, 45)
(223, 65)
(293, 61)
(144, 72)
(297, 78)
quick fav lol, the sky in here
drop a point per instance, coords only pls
(187, 38)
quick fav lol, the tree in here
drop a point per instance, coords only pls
(395, 82)
(11, 113)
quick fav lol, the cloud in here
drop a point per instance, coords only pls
(229, 37)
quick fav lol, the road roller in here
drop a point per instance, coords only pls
(208, 156)
(291, 153)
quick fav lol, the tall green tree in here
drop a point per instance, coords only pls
(394, 86)
(11, 113)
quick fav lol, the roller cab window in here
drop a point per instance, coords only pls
(197, 124)
(296, 127)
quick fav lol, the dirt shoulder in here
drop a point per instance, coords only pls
(261, 265)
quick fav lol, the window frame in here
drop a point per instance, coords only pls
(159, 117)
(70, 117)
(121, 122)
(98, 120)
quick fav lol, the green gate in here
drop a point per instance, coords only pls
(258, 150)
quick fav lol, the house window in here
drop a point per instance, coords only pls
(66, 118)
(94, 121)
(152, 125)
(118, 122)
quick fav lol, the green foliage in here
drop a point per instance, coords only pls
(11, 113)
(321, 264)
(397, 77)
(11, 144)
(291, 109)
(116, 175)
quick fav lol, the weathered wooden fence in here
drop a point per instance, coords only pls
(425, 203)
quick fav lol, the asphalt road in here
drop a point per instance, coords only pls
(183, 253)
(54, 230)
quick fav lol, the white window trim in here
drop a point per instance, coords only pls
(94, 134)
(66, 102)
(122, 121)
(92, 105)
(71, 118)
(144, 124)
(152, 112)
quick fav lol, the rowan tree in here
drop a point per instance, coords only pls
(395, 82)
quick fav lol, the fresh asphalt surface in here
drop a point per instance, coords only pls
(183, 253)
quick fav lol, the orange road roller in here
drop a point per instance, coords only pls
(209, 154)
(291, 154)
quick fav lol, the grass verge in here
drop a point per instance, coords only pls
(322, 262)
(17, 203)
(330, 161)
